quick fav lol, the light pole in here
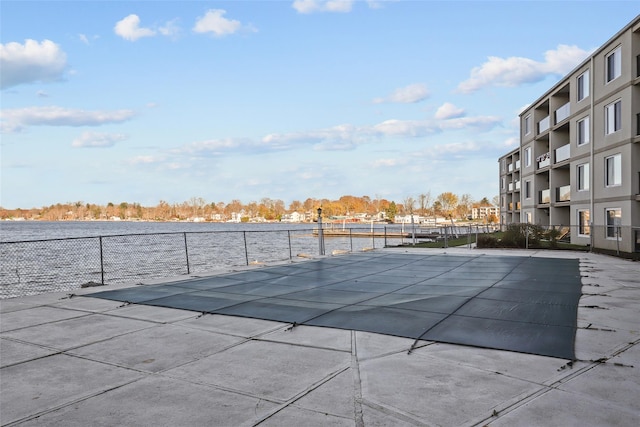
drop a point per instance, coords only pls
(320, 233)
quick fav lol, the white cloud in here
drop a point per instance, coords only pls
(413, 128)
(512, 142)
(484, 123)
(449, 111)
(170, 29)
(406, 95)
(15, 120)
(514, 71)
(31, 62)
(129, 28)
(312, 6)
(214, 22)
(83, 38)
(385, 163)
(214, 147)
(145, 160)
(95, 139)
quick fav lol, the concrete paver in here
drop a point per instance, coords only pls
(84, 361)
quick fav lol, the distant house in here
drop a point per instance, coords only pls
(482, 212)
(293, 217)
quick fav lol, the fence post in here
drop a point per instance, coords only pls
(385, 236)
(186, 251)
(246, 253)
(373, 238)
(350, 240)
(101, 262)
(476, 236)
(289, 236)
(446, 237)
(618, 240)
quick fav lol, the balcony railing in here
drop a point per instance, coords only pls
(563, 112)
(511, 186)
(545, 196)
(517, 185)
(543, 160)
(543, 124)
(563, 194)
(517, 164)
(563, 153)
(510, 167)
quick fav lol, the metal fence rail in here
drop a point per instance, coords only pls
(39, 266)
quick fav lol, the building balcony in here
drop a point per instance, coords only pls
(563, 194)
(517, 185)
(563, 153)
(543, 160)
(510, 168)
(544, 124)
(517, 164)
(562, 112)
(544, 196)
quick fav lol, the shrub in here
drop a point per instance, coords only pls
(486, 242)
(516, 235)
(552, 234)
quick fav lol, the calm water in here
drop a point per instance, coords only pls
(15, 231)
(37, 257)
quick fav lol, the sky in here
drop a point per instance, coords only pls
(143, 101)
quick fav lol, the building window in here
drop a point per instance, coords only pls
(613, 62)
(583, 131)
(527, 189)
(613, 217)
(583, 223)
(613, 117)
(528, 217)
(613, 170)
(527, 156)
(583, 177)
(502, 183)
(583, 85)
(527, 125)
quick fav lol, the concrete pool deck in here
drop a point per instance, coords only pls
(88, 361)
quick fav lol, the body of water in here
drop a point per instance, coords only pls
(37, 257)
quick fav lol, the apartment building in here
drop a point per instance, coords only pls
(578, 163)
(483, 212)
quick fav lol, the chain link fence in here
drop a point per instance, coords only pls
(39, 266)
(615, 240)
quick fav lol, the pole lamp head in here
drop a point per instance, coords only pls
(319, 211)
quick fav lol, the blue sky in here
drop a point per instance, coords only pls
(142, 101)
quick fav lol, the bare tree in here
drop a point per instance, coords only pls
(424, 200)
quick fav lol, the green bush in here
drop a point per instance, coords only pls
(516, 235)
(552, 235)
(487, 242)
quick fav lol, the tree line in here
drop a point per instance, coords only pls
(448, 205)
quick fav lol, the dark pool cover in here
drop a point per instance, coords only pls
(521, 304)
